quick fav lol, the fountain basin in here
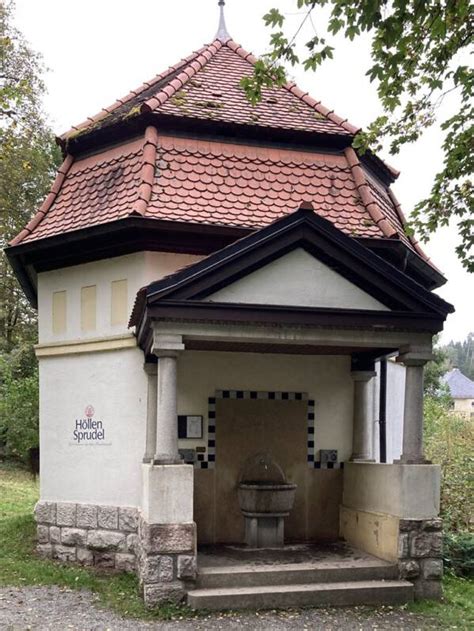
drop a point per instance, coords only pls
(256, 498)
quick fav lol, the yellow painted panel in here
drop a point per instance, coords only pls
(375, 533)
(88, 308)
(119, 302)
(59, 318)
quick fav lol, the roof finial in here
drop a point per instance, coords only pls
(222, 33)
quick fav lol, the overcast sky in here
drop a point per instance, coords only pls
(98, 50)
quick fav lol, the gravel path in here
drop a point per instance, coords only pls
(44, 608)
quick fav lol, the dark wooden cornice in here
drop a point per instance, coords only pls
(135, 234)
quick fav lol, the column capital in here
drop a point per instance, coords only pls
(363, 375)
(167, 345)
(414, 358)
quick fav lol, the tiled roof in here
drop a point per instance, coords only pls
(210, 182)
(241, 186)
(198, 181)
(383, 199)
(214, 92)
(205, 85)
(460, 386)
(95, 190)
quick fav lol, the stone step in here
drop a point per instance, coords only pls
(303, 595)
(293, 573)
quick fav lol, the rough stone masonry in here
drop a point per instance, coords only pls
(89, 534)
(166, 560)
(163, 555)
(420, 548)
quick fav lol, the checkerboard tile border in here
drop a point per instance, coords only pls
(208, 461)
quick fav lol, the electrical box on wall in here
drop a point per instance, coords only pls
(328, 455)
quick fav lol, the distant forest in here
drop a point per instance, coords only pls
(461, 355)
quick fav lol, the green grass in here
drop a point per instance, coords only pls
(456, 611)
(20, 566)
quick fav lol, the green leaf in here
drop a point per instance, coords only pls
(273, 18)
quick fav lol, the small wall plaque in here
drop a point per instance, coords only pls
(189, 455)
(189, 426)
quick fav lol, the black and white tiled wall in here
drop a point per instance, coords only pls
(207, 461)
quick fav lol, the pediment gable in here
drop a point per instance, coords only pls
(297, 278)
(266, 267)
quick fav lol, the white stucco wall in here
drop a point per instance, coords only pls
(395, 405)
(104, 471)
(138, 269)
(297, 278)
(394, 411)
(326, 379)
(113, 382)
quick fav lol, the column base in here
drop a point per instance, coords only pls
(167, 459)
(412, 460)
(167, 493)
(360, 459)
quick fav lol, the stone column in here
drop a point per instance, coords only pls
(167, 532)
(150, 446)
(362, 427)
(167, 349)
(412, 450)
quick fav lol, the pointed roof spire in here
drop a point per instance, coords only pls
(222, 33)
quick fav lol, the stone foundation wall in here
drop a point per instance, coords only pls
(166, 560)
(88, 534)
(420, 547)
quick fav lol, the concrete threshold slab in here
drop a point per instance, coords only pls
(323, 555)
(321, 594)
(285, 567)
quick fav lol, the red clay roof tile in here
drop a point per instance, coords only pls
(216, 183)
(206, 85)
(95, 190)
(212, 183)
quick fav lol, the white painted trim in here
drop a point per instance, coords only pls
(294, 334)
(93, 345)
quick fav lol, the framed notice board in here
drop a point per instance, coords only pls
(189, 426)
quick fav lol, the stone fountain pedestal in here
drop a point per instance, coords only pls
(264, 506)
(265, 531)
